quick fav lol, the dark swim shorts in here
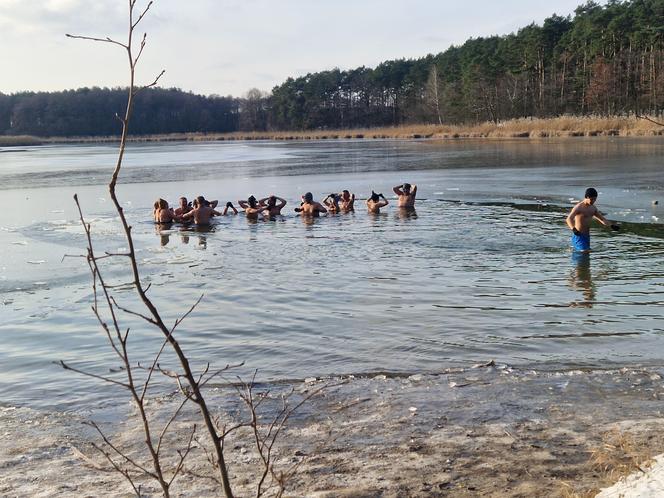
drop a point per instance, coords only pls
(581, 242)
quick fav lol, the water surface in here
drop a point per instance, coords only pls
(481, 271)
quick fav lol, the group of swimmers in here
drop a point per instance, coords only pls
(201, 211)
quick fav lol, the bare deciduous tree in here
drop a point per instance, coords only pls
(137, 379)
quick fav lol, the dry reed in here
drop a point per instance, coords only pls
(562, 126)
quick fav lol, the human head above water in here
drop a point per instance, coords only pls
(308, 197)
(591, 193)
(252, 201)
(374, 196)
(406, 187)
(272, 201)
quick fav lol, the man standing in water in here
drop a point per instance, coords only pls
(406, 195)
(201, 213)
(309, 207)
(579, 220)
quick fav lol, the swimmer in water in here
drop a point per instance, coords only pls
(309, 207)
(163, 213)
(374, 202)
(201, 213)
(406, 195)
(579, 220)
(229, 205)
(183, 208)
(251, 208)
(332, 203)
(346, 201)
(274, 205)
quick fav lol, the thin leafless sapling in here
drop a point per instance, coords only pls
(138, 379)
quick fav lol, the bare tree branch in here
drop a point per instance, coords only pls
(92, 38)
(95, 376)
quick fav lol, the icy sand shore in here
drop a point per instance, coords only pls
(489, 431)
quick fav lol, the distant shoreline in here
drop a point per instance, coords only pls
(561, 127)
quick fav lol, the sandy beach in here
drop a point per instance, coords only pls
(488, 431)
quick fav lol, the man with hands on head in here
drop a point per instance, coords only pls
(374, 202)
(406, 194)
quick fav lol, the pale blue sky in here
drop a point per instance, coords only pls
(226, 47)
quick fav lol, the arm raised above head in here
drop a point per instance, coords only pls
(397, 190)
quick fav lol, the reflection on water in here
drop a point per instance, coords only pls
(581, 279)
(480, 271)
(405, 213)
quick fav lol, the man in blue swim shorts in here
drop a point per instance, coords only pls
(579, 221)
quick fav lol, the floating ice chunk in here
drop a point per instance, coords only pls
(37, 262)
(415, 378)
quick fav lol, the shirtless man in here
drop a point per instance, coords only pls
(406, 195)
(205, 202)
(184, 207)
(332, 203)
(346, 201)
(201, 213)
(309, 207)
(274, 204)
(374, 202)
(579, 220)
(251, 208)
(163, 213)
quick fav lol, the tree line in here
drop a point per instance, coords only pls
(604, 60)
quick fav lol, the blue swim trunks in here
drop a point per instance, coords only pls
(581, 242)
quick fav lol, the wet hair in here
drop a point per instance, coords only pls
(406, 187)
(252, 201)
(183, 199)
(272, 201)
(162, 204)
(345, 192)
(308, 197)
(195, 202)
(374, 196)
(591, 193)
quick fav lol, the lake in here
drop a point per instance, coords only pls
(481, 271)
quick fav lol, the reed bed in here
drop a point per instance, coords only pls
(563, 126)
(19, 140)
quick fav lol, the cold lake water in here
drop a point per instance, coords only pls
(481, 271)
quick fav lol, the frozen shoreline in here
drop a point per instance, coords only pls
(485, 431)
